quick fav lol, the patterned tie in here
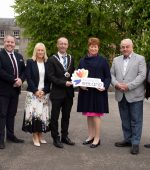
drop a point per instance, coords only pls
(14, 65)
(65, 62)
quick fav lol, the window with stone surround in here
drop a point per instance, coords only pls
(17, 33)
(2, 33)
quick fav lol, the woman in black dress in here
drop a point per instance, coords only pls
(93, 102)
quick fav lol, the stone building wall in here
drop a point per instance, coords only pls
(9, 26)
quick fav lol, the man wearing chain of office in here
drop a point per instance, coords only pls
(61, 67)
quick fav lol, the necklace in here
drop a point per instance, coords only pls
(67, 74)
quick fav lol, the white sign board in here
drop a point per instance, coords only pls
(88, 82)
(80, 78)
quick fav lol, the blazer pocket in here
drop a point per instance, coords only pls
(21, 60)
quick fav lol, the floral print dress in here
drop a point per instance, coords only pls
(36, 116)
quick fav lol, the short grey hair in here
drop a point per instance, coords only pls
(127, 40)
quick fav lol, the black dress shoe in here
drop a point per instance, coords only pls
(67, 141)
(14, 139)
(147, 145)
(86, 142)
(58, 143)
(123, 144)
(2, 146)
(95, 145)
(135, 149)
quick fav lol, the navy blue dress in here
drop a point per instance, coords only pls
(93, 100)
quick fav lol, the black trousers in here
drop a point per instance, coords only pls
(8, 110)
(64, 105)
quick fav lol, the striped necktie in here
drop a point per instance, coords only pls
(65, 62)
(14, 65)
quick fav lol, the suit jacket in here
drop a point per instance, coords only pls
(134, 77)
(32, 76)
(56, 76)
(7, 78)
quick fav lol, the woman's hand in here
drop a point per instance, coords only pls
(37, 93)
(101, 89)
(42, 93)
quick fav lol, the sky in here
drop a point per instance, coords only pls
(6, 11)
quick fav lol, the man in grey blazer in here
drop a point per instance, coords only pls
(128, 73)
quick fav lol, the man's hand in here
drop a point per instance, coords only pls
(18, 82)
(68, 83)
(122, 86)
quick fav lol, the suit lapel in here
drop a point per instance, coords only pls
(8, 59)
(18, 60)
(36, 70)
(121, 64)
(68, 60)
(58, 60)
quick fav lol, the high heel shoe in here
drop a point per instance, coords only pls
(43, 141)
(95, 145)
(35, 143)
(86, 142)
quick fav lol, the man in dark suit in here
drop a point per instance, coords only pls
(61, 67)
(12, 75)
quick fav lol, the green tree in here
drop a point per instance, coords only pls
(109, 20)
(139, 26)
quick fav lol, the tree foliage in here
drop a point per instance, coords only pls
(110, 20)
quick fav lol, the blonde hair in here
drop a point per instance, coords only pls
(35, 51)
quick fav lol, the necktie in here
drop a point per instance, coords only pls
(65, 62)
(14, 65)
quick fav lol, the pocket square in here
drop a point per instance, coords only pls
(21, 60)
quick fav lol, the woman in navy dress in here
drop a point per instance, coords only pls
(93, 102)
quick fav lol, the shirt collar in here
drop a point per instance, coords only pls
(128, 56)
(9, 52)
(61, 55)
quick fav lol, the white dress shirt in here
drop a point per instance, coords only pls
(125, 63)
(41, 68)
(61, 58)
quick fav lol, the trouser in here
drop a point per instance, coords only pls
(8, 110)
(64, 105)
(132, 120)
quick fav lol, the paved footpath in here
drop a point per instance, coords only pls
(78, 157)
